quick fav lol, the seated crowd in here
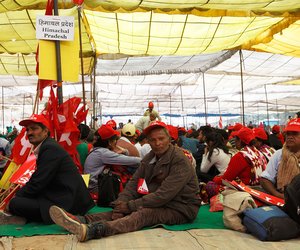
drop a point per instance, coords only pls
(166, 164)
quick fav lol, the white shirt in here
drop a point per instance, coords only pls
(218, 158)
(143, 150)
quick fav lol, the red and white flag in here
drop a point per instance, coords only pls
(220, 122)
(142, 187)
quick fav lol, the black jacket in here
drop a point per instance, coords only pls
(57, 181)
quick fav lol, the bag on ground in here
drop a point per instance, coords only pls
(270, 223)
(292, 199)
(110, 183)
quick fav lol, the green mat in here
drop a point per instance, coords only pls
(204, 220)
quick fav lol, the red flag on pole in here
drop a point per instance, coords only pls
(21, 147)
(220, 122)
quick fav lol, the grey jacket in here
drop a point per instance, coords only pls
(172, 183)
(99, 157)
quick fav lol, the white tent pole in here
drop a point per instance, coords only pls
(277, 110)
(204, 95)
(257, 113)
(23, 105)
(242, 87)
(181, 104)
(94, 93)
(267, 104)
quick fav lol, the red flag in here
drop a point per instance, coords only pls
(69, 133)
(21, 147)
(25, 171)
(81, 115)
(50, 113)
(69, 107)
(220, 122)
(142, 187)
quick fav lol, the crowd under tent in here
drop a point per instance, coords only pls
(191, 58)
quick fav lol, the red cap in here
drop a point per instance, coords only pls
(137, 132)
(246, 135)
(260, 133)
(112, 123)
(293, 125)
(182, 129)
(150, 105)
(106, 132)
(237, 127)
(276, 129)
(190, 131)
(232, 134)
(35, 118)
(173, 131)
(153, 125)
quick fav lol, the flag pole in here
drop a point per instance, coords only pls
(81, 57)
(58, 61)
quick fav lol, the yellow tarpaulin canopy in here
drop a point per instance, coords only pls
(160, 50)
(146, 28)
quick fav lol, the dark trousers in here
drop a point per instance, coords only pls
(25, 207)
(144, 217)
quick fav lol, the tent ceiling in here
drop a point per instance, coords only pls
(166, 6)
(160, 51)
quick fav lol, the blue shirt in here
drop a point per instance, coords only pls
(272, 168)
(190, 144)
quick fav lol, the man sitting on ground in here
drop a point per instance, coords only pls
(163, 190)
(56, 180)
(284, 164)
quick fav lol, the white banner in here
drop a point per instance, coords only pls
(55, 28)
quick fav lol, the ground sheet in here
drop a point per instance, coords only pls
(204, 220)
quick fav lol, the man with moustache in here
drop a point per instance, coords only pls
(56, 180)
(284, 164)
(163, 190)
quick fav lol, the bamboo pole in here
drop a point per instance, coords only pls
(81, 57)
(58, 61)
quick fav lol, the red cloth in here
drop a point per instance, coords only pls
(281, 138)
(237, 167)
(21, 148)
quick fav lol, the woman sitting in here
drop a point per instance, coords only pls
(248, 164)
(216, 157)
(261, 143)
(106, 152)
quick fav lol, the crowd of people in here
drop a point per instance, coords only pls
(171, 163)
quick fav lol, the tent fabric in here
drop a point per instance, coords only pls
(198, 7)
(169, 52)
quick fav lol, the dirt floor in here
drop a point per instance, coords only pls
(158, 238)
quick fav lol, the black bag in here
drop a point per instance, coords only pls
(292, 199)
(108, 187)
